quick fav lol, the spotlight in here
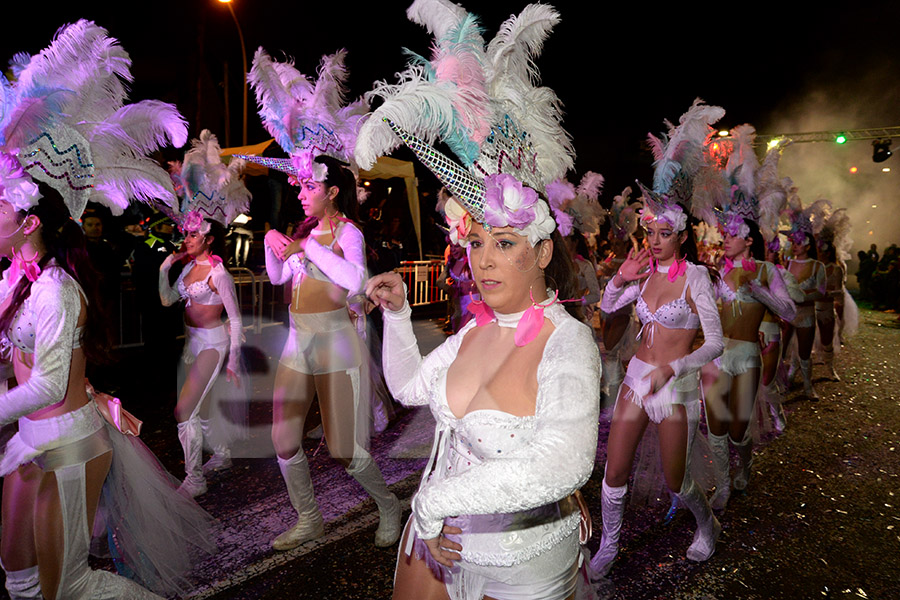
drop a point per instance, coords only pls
(840, 139)
(881, 150)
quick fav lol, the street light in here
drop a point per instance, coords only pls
(244, 72)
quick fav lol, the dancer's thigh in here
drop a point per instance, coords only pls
(413, 579)
(626, 430)
(20, 490)
(292, 397)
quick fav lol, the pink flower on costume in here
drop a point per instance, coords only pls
(308, 168)
(508, 203)
(16, 186)
(193, 221)
(736, 227)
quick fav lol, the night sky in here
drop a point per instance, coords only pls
(619, 68)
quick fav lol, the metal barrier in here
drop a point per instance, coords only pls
(421, 279)
(263, 302)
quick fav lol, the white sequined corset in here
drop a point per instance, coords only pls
(485, 436)
(499, 477)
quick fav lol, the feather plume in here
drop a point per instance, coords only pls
(681, 151)
(302, 115)
(742, 162)
(437, 16)
(771, 191)
(209, 186)
(536, 111)
(441, 98)
(74, 91)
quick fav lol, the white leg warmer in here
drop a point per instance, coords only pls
(612, 503)
(718, 444)
(190, 435)
(708, 527)
(23, 584)
(310, 526)
(364, 470)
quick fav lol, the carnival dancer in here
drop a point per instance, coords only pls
(770, 389)
(747, 287)
(516, 435)
(662, 381)
(213, 195)
(836, 309)
(810, 276)
(68, 137)
(618, 330)
(325, 262)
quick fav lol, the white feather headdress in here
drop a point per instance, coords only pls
(679, 158)
(305, 117)
(209, 188)
(485, 104)
(68, 124)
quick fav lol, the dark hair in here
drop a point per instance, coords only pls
(561, 273)
(64, 241)
(346, 200)
(826, 251)
(218, 233)
(810, 242)
(757, 243)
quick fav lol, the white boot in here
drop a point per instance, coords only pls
(772, 395)
(365, 471)
(612, 505)
(806, 374)
(191, 437)
(310, 526)
(745, 453)
(708, 527)
(221, 458)
(718, 444)
(23, 584)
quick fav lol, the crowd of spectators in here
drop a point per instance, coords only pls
(879, 277)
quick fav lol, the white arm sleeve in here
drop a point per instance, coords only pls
(348, 271)
(775, 295)
(409, 377)
(224, 283)
(55, 305)
(616, 298)
(558, 461)
(704, 299)
(793, 288)
(167, 294)
(279, 271)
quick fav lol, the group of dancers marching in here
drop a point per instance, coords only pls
(498, 513)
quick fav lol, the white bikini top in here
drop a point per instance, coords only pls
(21, 330)
(676, 314)
(197, 291)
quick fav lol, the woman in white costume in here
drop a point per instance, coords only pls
(495, 514)
(67, 463)
(213, 197)
(810, 276)
(662, 380)
(747, 288)
(325, 262)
